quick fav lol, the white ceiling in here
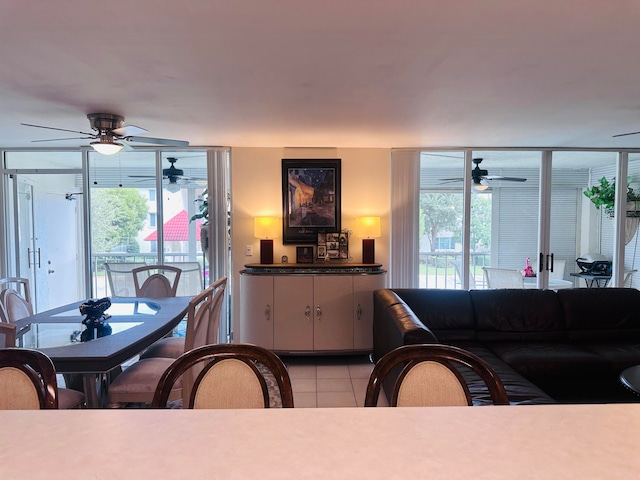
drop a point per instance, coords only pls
(347, 73)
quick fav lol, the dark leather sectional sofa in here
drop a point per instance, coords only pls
(567, 346)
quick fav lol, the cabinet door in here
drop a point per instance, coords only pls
(363, 287)
(333, 312)
(293, 313)
(256, 310)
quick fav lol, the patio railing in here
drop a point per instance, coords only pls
(437, 271)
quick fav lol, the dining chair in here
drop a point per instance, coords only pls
(173, 347)
(190, 279)
(429, 377)
(14, 307)
(120, 278)
(27, 380)
(137, 382)
(230, 377)
(457, 265)
(7, 334)
(503, 277)
(19, 284)
(156, 281)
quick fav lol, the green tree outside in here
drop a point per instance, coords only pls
(117, 216)
(442, 212)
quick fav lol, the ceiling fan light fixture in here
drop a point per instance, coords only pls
(173, 187)
(106, 147)
(479, 187)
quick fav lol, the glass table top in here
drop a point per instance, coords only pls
(133, 307)
(49, 334)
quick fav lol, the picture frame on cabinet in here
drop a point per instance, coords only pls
(311, 196)
(337, 245)
(304, 254)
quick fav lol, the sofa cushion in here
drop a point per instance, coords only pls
(544, 360)
(619, 354)
(518, 315)
(601, 314)
(447, 313)
(519, 390)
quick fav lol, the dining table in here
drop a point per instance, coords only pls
(131, 325)
(589, 441)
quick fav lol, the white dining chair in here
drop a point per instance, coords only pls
(503, 277)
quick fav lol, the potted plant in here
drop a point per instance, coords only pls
(603, 195)
(203, 215)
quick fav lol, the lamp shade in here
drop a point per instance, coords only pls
(266, 227)
(368, 227)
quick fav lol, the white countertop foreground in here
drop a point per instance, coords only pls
(505, 442)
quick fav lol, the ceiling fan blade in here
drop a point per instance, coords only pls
(625, 134)
(128, 131)
(158, 141)
(507, 179)
(59, 129)
(57, 139)
(513, 179)
(458, 179)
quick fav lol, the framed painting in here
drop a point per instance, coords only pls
(310, 199)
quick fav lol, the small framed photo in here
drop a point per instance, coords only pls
(337, 245)
(322, 252)
(304, 254)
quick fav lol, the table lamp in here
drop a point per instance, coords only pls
(266, 229)
(368, 228)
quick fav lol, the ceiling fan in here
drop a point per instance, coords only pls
(173, 174)
(109, 132)
(481, 178)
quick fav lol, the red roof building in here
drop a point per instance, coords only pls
(176, 229)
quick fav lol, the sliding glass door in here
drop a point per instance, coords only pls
(44, 221)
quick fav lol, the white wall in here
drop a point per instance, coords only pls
(256, 186)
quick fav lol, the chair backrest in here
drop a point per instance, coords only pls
(156, 281)
(190, 280)
(457, 264)
(14, 306)
(27, 380)
(203, 325)
(430, 377)
(231, 378)
(19, 284)
(120, 278)
(503, 277)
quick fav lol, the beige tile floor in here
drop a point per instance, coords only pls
(330, 381)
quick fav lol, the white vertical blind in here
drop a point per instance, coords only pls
(405, 192)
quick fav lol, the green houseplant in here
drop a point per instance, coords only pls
(203, 214)
(603, 196)
(203, 208)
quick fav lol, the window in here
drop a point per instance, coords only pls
(152, 219)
